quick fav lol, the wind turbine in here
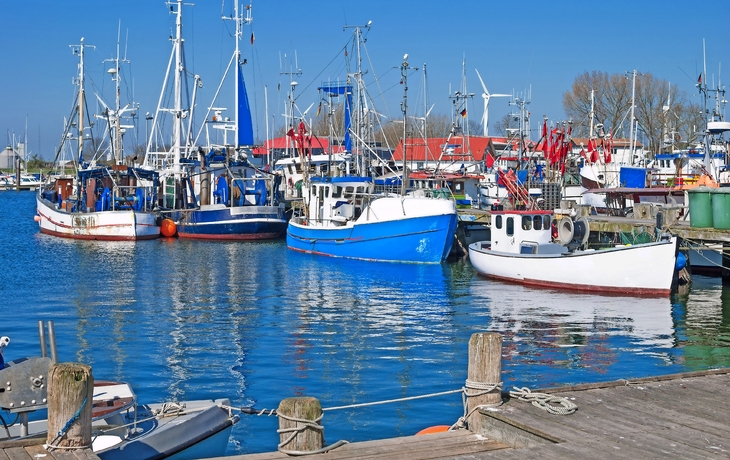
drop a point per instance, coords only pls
(487, 96)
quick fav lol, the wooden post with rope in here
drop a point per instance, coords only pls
(299, 427)
(70, 395)
(484, 376)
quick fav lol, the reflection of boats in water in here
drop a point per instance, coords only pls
(575, 319)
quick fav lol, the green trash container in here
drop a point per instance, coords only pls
(700, 207)
(721, 208)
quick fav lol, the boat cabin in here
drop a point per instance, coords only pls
(332, 201)
(524, 232)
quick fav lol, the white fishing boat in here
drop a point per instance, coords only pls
(122, 428)
(99, 202)
(523, 249)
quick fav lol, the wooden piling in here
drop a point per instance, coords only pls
(485, 370)
(70, 395)
(299, 428)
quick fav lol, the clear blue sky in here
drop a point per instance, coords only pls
(517, 46)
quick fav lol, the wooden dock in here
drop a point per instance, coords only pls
(675, 416)
(32, 449)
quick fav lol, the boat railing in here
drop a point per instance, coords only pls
(126, 197)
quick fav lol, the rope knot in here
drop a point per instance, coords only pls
(551, 404)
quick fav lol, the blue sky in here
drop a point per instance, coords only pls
(521, 47)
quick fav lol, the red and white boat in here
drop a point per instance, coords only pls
(530, 247)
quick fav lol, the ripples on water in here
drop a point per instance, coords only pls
(258, 323)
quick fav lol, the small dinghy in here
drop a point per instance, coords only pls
(121, 427)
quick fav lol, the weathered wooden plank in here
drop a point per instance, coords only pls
(618, 411)
(17, 453)
(22, 442)
(650, 404)
(2, 455)
(619, 433)
(432, 446)
(620, 383)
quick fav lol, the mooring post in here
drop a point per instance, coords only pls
(484, 376)
(70, 395)
(299, 427)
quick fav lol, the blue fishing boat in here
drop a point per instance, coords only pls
(341, 218)
(222, 194)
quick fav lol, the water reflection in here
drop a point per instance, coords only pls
(704, 323)
(547, 330)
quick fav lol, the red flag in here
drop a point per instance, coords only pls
(592, 152)
(699, 79)
(583, 153)
(463, 113)
(252, 38)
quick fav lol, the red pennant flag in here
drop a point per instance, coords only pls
(252, 38)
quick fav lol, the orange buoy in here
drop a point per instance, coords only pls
(37, 218)
(168, 228)
(434, 429)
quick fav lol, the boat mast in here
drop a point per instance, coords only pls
(79, 50)
(404, 108)
(241, 20)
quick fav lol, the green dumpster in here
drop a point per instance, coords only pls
(700, 207)
(721, 208)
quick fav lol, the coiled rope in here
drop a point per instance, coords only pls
(552, 404)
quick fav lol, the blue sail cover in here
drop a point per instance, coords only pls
(245, 123)
(337, 89)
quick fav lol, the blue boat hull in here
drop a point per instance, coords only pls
(417, 240)
(237, 223)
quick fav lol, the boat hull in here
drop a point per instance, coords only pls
(422, 238)
(202, 430)
(234, 223)
(104, 225)
(644, 269)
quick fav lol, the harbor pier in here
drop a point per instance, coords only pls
(671, 416)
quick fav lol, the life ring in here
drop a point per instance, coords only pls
(434, 429)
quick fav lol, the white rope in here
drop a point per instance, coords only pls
(481, 388)
(303, 424)
(388, 401)
(552, 404)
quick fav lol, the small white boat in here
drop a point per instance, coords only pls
(522, 249)
(121, 428)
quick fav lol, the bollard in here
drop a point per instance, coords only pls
(485, 370)
(299, 428)
(70, 399)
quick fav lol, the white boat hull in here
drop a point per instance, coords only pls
(645, 269)
(102, 225)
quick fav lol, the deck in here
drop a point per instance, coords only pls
(32, 449)
(674, 416)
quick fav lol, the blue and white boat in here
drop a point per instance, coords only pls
(341, 218)
(221, 194)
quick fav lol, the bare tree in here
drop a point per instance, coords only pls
(660, 110)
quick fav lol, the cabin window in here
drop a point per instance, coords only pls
(526, 222)
(337, 192)
(326, 192)
(458, 187)
(510, 226)
(537, 222)
(498, 221)
(546, 221)
(348, 191)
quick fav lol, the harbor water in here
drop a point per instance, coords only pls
(257, 323)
